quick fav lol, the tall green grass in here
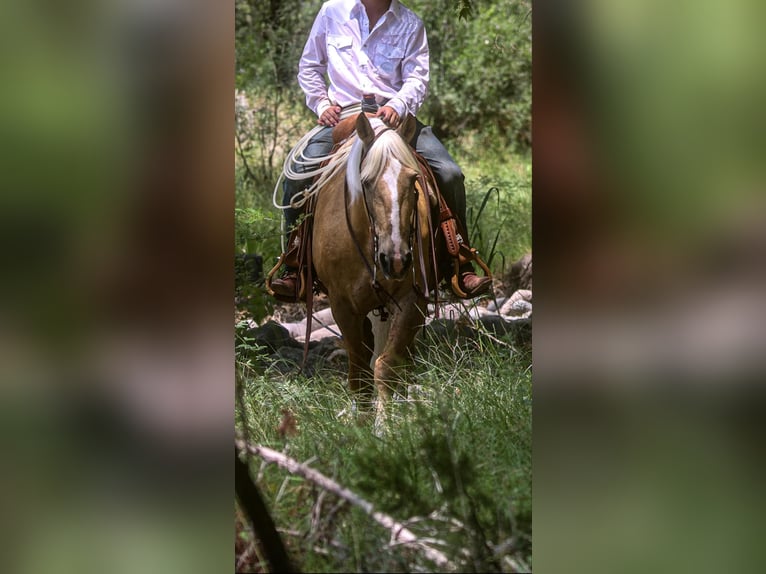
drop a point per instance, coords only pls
(454, 461)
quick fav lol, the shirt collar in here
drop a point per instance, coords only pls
(393, 8)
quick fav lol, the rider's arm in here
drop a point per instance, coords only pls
(313, 66)
(415, 75)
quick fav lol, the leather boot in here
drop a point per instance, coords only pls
(472, 284)
(286, 288)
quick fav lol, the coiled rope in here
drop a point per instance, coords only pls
(321, 172)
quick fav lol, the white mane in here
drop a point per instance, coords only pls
(387, 145)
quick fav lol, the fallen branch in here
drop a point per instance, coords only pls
(399, 533)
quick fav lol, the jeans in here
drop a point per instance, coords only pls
(449, 177)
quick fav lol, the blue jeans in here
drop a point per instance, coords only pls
(449, 177)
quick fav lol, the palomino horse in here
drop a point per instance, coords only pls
(372, 251)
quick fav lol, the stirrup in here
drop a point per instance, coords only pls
(284, 298)
(471, 256)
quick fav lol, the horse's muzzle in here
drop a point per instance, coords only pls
(397, 266)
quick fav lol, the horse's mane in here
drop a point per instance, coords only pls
(388, 144)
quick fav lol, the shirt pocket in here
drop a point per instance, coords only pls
(388, 57)
(339, 43)
(339, 51)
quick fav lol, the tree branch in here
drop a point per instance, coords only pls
(252, 503)
(241, 152)
(399, 533)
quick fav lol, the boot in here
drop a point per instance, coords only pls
(471, 284)
(286, 288)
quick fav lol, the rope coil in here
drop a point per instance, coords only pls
(319, 174)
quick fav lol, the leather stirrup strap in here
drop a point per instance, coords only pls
(434, 262)
(309, 262)
(309, 309)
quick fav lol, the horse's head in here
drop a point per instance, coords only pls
(386, 180)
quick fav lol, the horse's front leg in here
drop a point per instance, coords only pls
(358, 341)
(404, 327)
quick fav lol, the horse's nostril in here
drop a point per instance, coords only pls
(407, 259)
(384, 261)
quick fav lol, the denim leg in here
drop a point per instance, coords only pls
(449, 176)
(320, 145)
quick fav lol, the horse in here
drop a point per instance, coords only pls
(371, 224)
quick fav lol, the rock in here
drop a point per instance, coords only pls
(496, 304)
(518, 305)
(496, 325)
(520, 275)
(273, 336)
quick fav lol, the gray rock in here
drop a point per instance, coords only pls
(273, 336)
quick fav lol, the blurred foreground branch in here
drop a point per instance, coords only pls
(260, 519)
(399, 534)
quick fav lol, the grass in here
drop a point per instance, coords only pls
(455, 461)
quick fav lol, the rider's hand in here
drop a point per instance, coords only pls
(330, 117)
(389, 116)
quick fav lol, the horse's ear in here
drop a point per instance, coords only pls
(364, 129)
(407, 128)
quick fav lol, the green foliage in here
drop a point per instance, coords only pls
(499, 210)
(269, 38)
(456, 458)
(481, 71)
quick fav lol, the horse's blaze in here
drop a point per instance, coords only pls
(395, 252)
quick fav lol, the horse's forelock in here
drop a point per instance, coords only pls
(388, 145)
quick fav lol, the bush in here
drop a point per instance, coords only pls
(481, 71)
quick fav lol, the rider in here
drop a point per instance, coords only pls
(371, 48)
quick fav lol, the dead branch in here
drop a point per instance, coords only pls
(399, 533)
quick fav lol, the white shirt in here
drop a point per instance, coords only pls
(389, 61)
